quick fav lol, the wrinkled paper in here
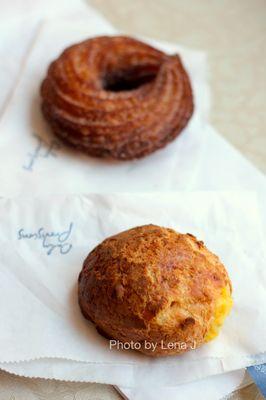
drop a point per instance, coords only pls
(218, 385)
(44, 240)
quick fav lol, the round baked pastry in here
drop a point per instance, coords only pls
(161, 290)
(116, 97)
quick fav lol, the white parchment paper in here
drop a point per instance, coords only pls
(43, 242)
(211, 388)
(19, 24)
(32, 155)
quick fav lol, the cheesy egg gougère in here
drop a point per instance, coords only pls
(153, 285)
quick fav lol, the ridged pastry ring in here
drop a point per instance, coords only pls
(116, 97)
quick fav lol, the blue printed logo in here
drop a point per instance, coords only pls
(43, 149)
(51, 241)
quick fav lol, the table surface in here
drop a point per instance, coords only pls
(234, 35)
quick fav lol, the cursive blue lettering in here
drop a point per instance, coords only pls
(43, 149)
(50, 240)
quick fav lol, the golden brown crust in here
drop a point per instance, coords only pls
(85, 101)
(152, 283)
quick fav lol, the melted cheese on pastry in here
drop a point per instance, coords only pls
(222, 309)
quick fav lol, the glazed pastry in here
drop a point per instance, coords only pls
(153, 285)
(116, 97)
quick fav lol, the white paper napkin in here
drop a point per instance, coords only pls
(36, 155)
(32, 8)
(212, 388)
(47, 294)
(223, 167)
(20, 21)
